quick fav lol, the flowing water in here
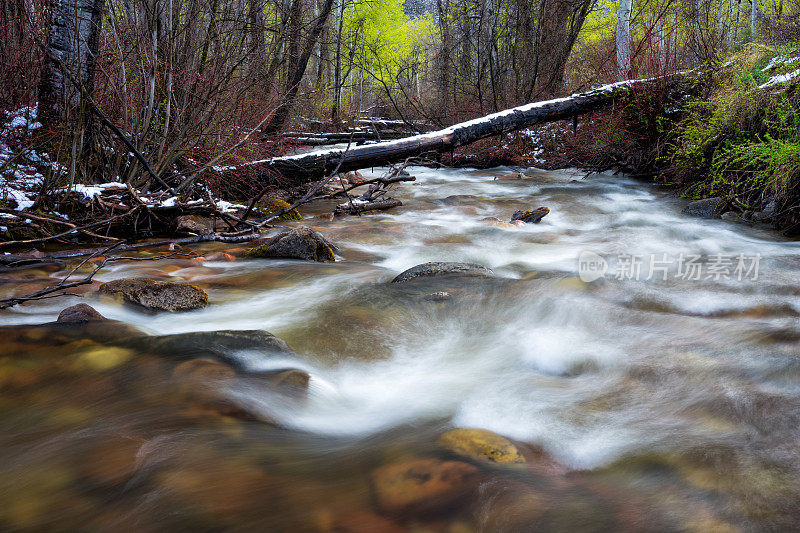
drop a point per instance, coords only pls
(663, 404)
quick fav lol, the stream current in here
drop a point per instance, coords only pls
(664, 395)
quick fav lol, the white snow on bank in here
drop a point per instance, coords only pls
(781, 78)
(780, 60)
(90, 191)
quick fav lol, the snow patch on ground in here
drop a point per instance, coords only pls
(780, 78)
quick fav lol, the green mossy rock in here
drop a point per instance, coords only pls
(269, 206)
(480, 445)
(157, 295)
(298, 243)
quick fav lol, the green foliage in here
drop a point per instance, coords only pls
(741, 140)
(386, 40)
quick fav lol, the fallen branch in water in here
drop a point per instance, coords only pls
(356, 207)
(64, 284)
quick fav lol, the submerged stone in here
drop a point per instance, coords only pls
(531, 217)
(422, 486)
(481, 445)
(157, 295)
(218, 344)
(441, 269)
(203, 371)
(292, 382)
(298, 243)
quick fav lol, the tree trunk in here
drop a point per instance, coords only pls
(315, 165)
(298, 70)
(624, 40)
(72, 47)
(753, 20)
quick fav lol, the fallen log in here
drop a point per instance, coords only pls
(357, 207)
(314, 165)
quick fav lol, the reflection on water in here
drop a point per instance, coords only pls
(670, 405)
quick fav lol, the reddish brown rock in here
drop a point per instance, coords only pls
(80, 313)
(422, 486)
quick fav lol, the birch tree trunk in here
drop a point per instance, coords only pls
(72, 46)
(624, 39)
(753, 20)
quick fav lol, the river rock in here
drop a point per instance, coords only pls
(217, 344)
(480, 445)
(157, 295)
(531, 217)
(706, 208)
(422, 486)
(292, 382)
(79, 313)
(298, 243)
(193, 224)
(203, 371)
(428, 270)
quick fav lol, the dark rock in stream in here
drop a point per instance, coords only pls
(80, 313)
(298, 243)
(217, 344)
(531, 217)
(707, 208)
(428, 270)
(157, 295)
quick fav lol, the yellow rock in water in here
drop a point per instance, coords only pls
(103, 358)
(482, 445)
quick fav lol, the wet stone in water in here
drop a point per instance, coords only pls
(427, 270)
(157, 295)
(80, 313)
(298, 243)
(531, 217)
(480, 445)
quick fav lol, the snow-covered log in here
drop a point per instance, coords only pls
(315, 165)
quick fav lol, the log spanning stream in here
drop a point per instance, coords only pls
(662, 396)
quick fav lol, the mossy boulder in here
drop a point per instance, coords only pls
(298, 243)
(157, 295)
(428, 270)
(531, 217)
(480, 445)
(271, 205)
(422, 486)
